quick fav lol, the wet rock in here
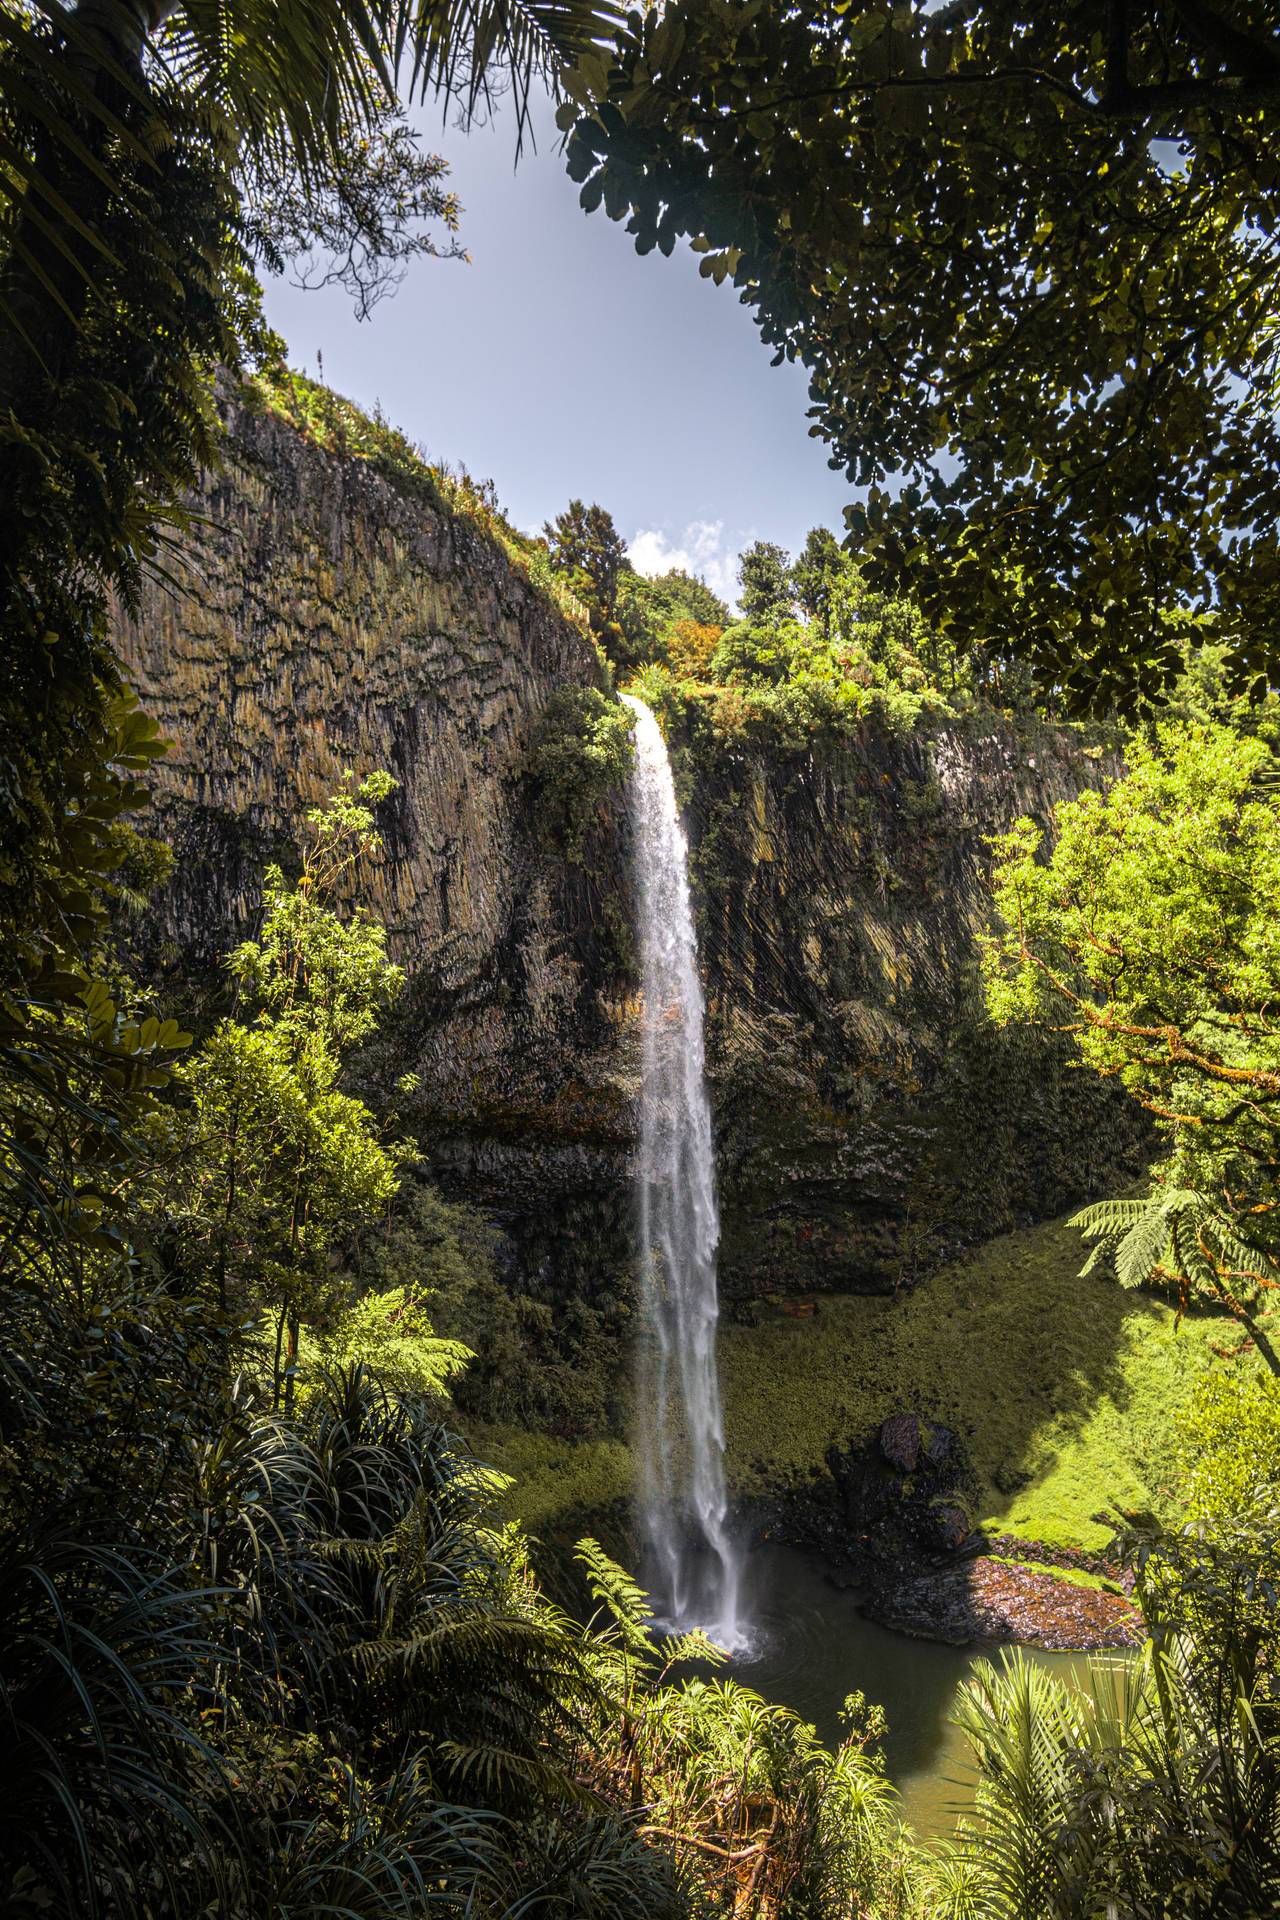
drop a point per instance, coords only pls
(903, 1490)
(993, 1600)
(900, 1441)
(950, 1525)
(865, 1493)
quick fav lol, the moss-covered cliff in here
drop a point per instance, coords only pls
(321, 616)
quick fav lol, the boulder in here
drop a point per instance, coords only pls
(949, 1524)
(900, 1441)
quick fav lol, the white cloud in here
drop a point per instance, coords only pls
(700, 549)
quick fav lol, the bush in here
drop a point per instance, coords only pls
(542, 1363)
(580, 758)
(1229, 1443)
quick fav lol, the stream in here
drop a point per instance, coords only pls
(810, 1646)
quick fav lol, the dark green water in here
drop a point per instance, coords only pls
(810, 1647)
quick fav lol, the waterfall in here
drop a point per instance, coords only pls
(680, 1435)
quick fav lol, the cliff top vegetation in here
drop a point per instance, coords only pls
(1029, 261)
(264, 1644)
(338, 426)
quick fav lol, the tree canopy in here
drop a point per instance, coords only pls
(1030, 261)
(1149, 932)
(359, 224)
(764, 574)
(583, 541)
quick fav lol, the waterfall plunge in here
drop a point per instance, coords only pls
(682, 1490)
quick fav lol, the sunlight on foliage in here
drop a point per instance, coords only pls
(1150, 934)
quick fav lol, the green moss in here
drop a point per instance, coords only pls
(1066, 1390)
(1067, 1393)
(554, 1480)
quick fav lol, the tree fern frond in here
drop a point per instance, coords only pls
(624, 1598)
(1241, 1256)
(678, 1649)
(1136, 1234)
(1141, 1250)
(501, 1773)
(1112, 1224)
(1109, 1217)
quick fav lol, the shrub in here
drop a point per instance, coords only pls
(580, 757)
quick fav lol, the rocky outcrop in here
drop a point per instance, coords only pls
(871, 1121)
(907, 1489)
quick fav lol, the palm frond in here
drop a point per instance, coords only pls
(397, 1852)
(501, 1776)
(1022, 1725)
(457, 46)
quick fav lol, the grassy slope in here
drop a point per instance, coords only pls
(1065, 1390)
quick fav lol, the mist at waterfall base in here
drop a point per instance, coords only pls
(691, 1567)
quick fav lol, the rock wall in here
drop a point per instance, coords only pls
(318, 620)
(868, 1120)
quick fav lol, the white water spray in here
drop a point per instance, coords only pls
(682, 1489)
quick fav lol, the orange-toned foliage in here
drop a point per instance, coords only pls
(690, 646)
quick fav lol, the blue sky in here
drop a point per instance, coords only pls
(561, 364)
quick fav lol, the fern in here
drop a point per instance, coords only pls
(624, 1599)
(1135, 1233)
(1178, 1233)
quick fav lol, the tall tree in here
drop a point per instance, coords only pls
(662, 616)
(1030, 258)
(1149, 932)
(584, 541)
(677, 595)
(278, 1164)
(765, 579)
(814, 573)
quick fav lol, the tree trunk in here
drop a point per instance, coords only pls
(292, 1365)
(275, 1368)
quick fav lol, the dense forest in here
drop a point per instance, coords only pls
(319, 1573)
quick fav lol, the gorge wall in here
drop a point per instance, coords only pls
(317, 619)
(320, 617)
(871, 1120)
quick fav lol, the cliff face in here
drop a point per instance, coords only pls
(867, 1119)
(319, 620)
(870, 1120)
